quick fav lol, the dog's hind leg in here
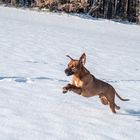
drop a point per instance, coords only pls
(103, 99)
(112, 107)
(106, 101)
(117, 107)
(111, 100)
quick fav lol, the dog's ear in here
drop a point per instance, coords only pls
(69, 57)
(83, 59)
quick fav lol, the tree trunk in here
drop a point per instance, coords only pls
(125, 9)
(115, 7)
(138, 12)
(106, 8)
(109, 12)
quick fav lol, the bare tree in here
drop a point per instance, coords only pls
(138, 12)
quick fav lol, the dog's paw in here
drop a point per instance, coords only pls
(65, 90)
(67, 87)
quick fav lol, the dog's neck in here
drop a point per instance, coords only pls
(82, 72)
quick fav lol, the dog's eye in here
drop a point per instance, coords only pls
(73, 68)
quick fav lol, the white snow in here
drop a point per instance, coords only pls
(33, 46)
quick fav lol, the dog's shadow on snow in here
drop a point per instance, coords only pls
(132, 112)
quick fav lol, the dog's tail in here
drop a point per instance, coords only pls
(121, 97)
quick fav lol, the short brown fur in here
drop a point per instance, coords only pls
(85, 84)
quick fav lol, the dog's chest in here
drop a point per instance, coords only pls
(78, 83)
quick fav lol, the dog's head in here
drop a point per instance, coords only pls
(74, 65)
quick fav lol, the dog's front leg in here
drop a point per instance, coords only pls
(70, 87)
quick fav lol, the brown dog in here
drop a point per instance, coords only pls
(85, 84)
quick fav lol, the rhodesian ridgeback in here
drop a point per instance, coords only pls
(87, 85)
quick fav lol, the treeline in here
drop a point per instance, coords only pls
(109, 9)
(116, 9)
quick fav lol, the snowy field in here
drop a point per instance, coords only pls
(33, 46)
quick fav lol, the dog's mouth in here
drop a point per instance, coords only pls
(69, 72)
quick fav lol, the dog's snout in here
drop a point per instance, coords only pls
(68, 72)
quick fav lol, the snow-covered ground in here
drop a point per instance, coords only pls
(33, 46)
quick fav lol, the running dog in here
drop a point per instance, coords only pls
(87, 85)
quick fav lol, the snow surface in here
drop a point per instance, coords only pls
(33, 46)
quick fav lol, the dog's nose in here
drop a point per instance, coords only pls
(66, 71)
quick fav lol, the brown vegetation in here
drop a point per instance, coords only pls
(110, 9)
